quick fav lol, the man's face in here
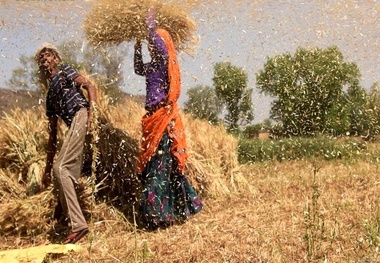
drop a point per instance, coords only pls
(47, 62)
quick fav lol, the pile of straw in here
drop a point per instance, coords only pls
(115, 168)
(26, 216)
(9, 187)
(23, 141)
(113, 158)
(115, 21)
(23, 138)
(213, 167)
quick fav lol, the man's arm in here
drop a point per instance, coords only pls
(92, 96)
(50, 151)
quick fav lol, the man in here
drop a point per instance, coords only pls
(66, 100)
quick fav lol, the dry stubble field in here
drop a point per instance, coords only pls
(266, 223)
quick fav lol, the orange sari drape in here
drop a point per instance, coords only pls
(166, 118)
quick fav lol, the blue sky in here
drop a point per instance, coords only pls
(244, 32)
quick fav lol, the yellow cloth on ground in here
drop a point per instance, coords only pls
(36, 254)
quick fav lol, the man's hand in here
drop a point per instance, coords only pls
(45, 180)
(50, 150)
(92, 94)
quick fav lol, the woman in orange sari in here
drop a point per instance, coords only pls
(167, 195)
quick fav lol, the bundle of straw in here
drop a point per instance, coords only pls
(115, 169)
(22, 139)
(22, 216)
(213, 167)
(116, 21)
(9, 187)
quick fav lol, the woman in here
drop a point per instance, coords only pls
(167, 196)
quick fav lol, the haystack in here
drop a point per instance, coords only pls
(115, 168)
(115, 21)
(213, 167)
(26, 216)
(111, 158)
(22, 142)
(9, 187)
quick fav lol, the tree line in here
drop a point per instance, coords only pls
(315, 91)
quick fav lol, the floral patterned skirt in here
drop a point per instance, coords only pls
(167, 196)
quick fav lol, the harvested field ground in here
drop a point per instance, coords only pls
(265, 224)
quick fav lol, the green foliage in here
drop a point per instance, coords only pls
(230, 83)
(358, 115)
(203, 104)
(252, 131)
(25, 76)
(372, 108)
(338, 120)
(308, 87)
(253, 151)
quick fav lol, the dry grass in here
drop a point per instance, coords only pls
(266, 225)
(24, 216)
(19, 142)
(253, 213)
(113, 22)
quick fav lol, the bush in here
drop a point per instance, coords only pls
(252, 131)
(255, 150)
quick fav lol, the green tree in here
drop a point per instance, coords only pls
(360, 122)
(203, 104)
(230, 83)
(252, 131)
(338, 119)
(373, 109)
(25, 76)
(308, 87)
